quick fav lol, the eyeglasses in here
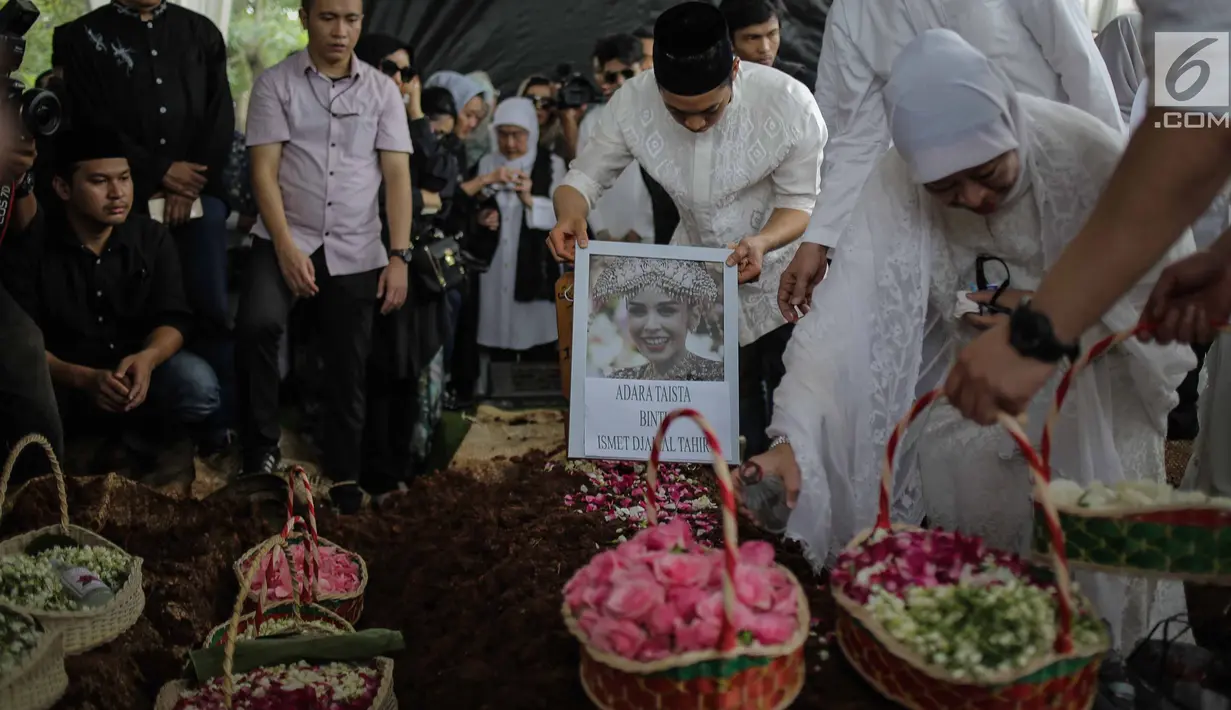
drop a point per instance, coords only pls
(983, 284)
(389, 68)
(612, 77)
(543, 103)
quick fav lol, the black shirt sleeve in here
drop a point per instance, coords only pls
(20, 255)
(167, 304)
(218, 122)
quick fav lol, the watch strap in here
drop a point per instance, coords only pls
(1031, 334)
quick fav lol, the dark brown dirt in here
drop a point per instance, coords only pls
(470, 573)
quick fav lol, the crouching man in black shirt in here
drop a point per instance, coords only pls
(106, 290)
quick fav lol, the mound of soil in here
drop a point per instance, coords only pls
(469, 572)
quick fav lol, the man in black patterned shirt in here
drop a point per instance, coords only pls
(155, 73)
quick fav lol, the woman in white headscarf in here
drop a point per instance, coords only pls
(1120, 45)
(977, 170)
(467, 96)
(517, 295)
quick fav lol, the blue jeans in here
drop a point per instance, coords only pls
(202, 246)
(184, 390)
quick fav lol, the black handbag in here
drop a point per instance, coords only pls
(437, 262)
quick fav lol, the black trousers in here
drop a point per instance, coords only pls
(760, 373)
(344, 316)
(27, 399)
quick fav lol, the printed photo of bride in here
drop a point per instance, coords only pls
(655, 319)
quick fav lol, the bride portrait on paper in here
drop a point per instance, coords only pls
(666, 304)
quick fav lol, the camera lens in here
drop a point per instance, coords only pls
(40, 112)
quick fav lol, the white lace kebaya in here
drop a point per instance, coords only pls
(882, 329)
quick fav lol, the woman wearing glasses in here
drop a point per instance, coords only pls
(542, 91)
(977, 170)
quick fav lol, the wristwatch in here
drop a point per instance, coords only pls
(403, 254)
(1031, 335)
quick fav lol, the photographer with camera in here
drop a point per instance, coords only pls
(155, 73)
(625, 213)
(27, 398)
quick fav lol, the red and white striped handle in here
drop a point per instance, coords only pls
(730, 524)
(1060, 562)
(312, 542)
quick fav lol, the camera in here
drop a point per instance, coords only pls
(576, 89)
(39, 110)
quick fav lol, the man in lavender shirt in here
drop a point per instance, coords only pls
(324, 129)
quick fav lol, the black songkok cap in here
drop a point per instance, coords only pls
(86, 143)
(692, 49)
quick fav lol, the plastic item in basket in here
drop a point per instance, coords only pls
(1177, 537)
(82, 629)
(724, 649)
(38, 679)
(1062, 676)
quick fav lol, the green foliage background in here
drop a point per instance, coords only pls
(261, 34)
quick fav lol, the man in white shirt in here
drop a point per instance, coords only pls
(624, 213)
(739, 147)
(1044, 46)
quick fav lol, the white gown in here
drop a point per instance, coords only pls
(882, 332)
(505, 322)
(1043, 46)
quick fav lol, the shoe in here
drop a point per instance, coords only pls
(217, 443)
(1116, 690)
(347, 497)
(266, 463)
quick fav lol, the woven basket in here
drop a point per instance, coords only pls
(1174, 541)
(40, 680)
(88, 628)
(170, 693)
(349, 606)
(1066, 678)
(728, 678)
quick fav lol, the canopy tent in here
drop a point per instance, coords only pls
(511, 39)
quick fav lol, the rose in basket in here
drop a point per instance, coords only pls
(665, 622)
(977, 613)
(338, 573)
(935, 621)
(303, 686)
(660, 594)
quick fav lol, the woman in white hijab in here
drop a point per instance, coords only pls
(509, 319)
(1120, 45)
(977, 170)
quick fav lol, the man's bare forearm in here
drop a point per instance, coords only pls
(66, 374)
(164, 342)
(570, 204)
(268, 193)
(784, 227)
(1166, 178)
(399, 205)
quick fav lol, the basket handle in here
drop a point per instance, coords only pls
(61, 491)
(1066, 382)
(730, 526)
(1038, 475)
(228, 656)
(311, 553)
